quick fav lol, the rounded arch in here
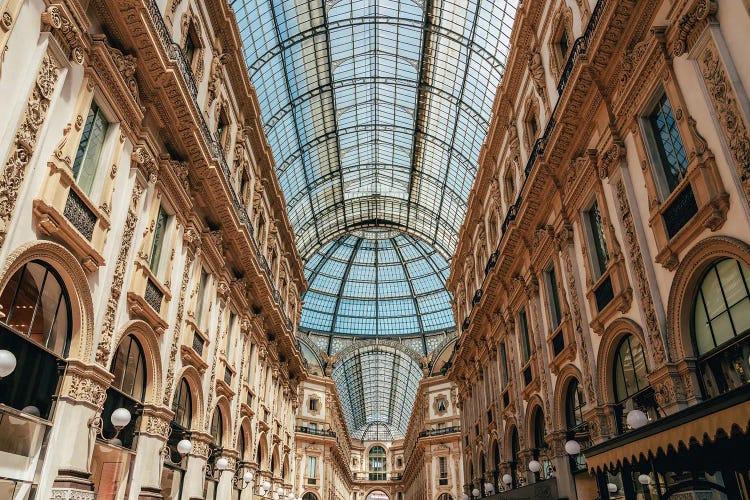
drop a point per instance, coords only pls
(377, 494)
(611, 338)
(309, 495)
(285, 469)
(535, 403)
(275, 463)
(534, 418)
(73, 277)
(222, 404)
(512, 439)
(193, 379)
(687, 278)
(244, 435)
(497, 457)
(146, 337)
(564, 377)
(261, 452)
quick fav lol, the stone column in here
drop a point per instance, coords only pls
(560, 460)
(145, 481)
(226, 477)
(66, 470)
(196, 465)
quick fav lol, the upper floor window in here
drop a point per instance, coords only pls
(553, 297)
(503, 365)
(721, 323)
(36, 304)
(313, 404)
(563, 43)
(667, 142)
(157, 244)
(200, 300)
(312, 467)
(523, 332)
(222, 128)
(230, 333)
(191, 45)
(597, 241)
(443, 467)
(377, 466)
(90, 148)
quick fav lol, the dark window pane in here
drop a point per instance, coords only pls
(668, 143)
(599, 242)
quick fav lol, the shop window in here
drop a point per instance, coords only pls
(88, 155)
(721, 327)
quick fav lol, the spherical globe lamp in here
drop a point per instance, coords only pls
(184, 447)
(644, 479)
(475, 492)
(120, 418)
(247, 476)
(572, 447)
(31, 410)
(636, 419)
(266, 485)
(612, 487)
(535, 466)
(222, 463)
(464, 496)
(7, 363)
(507, 479)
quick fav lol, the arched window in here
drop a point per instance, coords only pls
(539, 441)
(630, 375)
(309, 496)
(445, 496)
(128, 388)
(217, 428)
(574, 403)
(376, 460)
(37, 329)
(721, 327)
(182, 406)
(36, 304)
(515, 448)
(540, 444)
(129, 369)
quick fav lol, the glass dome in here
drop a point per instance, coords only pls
(377, 283)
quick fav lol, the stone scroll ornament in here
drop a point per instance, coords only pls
(22, 149)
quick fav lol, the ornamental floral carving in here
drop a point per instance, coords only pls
(108, 326)
(639, 272)
(86, 390)
(728, 112)
(23, 146)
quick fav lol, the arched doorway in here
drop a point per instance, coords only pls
(309, 496)
(377, 495)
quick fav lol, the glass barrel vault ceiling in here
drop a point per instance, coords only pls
(377, 283)
(375, 109)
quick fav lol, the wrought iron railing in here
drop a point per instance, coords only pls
(174, 52)
(315, 432)
(440, 432)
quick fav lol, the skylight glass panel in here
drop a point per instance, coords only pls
(338, 83)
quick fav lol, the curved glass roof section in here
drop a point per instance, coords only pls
(375, 109)
(377, 386)
(378, 283)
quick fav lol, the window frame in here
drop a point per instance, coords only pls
(157, 256)
(598, 263)
(82, 163)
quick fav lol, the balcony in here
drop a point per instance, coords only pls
(315, 432)
(440, 432)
